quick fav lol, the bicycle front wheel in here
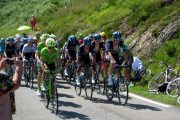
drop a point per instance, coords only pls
(45, 97)
(178, 100)
(88, 88)
(173, 88)
(146, 74)
(156, 81)
(123, 91)
(55, 101)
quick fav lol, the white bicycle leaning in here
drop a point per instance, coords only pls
(173, 89)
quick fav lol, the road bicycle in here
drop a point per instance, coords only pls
(119, 87)
(71, 71)
(30, 72)
(50, 94)
(85, 82)
(160, 81)
(173, 89)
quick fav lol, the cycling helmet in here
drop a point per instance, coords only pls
(37, 34)
(30, 40)
(80, 36)
(50, 42)
(3, 40)
(24, 40)
(97, 37)
(90, 36)
(53, 36)
(103, 34)
(11, 39)
(44, 37)
(117, 35)
(72, 38)
(18, 36)
(86, 41)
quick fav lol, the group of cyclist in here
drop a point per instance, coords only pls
(86, 50)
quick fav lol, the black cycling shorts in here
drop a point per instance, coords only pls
(51, 66)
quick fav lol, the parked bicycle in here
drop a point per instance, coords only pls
(159, 82)
(173, 89)
(119, 87)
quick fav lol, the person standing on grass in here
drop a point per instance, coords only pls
(33, 22)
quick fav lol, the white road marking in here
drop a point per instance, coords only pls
(148, 100)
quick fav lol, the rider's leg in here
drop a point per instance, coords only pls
(39, 80)
(110, 73)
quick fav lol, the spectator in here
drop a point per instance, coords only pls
(33, 22)
(5, 90)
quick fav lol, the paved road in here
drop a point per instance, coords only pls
(30, 107)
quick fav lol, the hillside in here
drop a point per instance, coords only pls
(138, 20)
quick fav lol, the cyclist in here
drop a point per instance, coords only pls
(36, 38)
(114, 48)
(80, 39)
(40, 46)
(49, 56)
(10, 48)
(96, 51)
(2, 47)
(84, 57)
(104, 56)
(91, 38)
(70, 52)
(18, 42)
(28, 52)
(24, 41)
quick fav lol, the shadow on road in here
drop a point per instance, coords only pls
(64, 87)
(69, 104)
(72, 115)
(140, 107)
(65, 95)
(99, 100)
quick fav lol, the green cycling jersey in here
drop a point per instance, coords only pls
(49, 57)
(40, 46)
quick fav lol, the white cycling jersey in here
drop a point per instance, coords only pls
(137, 64)
(28, 49)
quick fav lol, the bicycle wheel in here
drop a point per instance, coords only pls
(109, 92)
(69, 70)
(26, 77)
(31, 77)
(156, 81)
(78, 87)
(146, 74)
(97, 83)
(104, 84)
(88, 88)
(46, 99)
(123, 91)
(55, 101)
(173, 88)
(178, 100)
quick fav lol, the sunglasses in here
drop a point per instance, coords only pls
(50, 47)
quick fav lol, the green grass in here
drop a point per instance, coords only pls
(163, 98)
